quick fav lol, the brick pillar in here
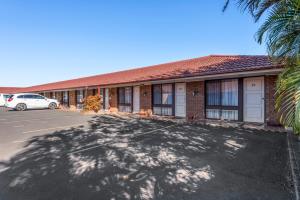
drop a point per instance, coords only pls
(98, 90)
(72, 100)
(271, 116)
(89, 92)
(146, 100)
(113, 101)
(58, 97)
(195, 100)
(47, 94)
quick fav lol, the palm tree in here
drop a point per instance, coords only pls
(281, 32)
(288, 97)
(256, 7)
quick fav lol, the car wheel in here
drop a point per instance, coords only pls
(52, 106)
(21, 107)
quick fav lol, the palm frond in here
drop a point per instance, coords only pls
(255, 7)
(288, 98)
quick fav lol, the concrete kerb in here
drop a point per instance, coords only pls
(294, 157)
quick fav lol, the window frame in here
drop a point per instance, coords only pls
(161, 96)
(77, 92)
(118, 96)
(39, 97)
(171, 106)
(220, 107)
(66, 103)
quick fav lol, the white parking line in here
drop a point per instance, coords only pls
(19, 126)
(58, 127)
(97, 146)
(26, 120)
(19, 141)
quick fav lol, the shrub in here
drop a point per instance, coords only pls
(92, 103)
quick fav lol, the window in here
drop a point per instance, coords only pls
(94, 92)
(222, 99)
(65, 98)
(29, 96)
(80, 94)
(163, 99)
(125, 95)
(157, 94)
(38, 97)
(125, 99)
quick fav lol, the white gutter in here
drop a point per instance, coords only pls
(185, 79)
(202, 78)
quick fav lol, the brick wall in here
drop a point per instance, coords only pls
(47, 94)
(146, 99)
(195, 103)
(113, 102)
(72, 100)
(89, 92)
(271, 116)
(58, 96)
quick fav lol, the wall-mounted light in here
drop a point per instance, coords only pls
(195, 92)
(145, 94)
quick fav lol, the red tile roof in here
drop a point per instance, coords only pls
(10, 90)
(208, 65)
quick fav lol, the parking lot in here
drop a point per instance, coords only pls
(65, 155)
(17, 127)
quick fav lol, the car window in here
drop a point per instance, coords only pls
(29, 96)
(6, 96)
(21, 97)
(38, 97)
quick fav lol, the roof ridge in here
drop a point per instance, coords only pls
(244, 55)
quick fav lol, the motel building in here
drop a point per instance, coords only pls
(219, 87)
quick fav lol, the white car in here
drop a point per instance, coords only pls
(24, 101)
(3, 98)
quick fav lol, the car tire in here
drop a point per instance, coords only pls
(52, 106)
(21, 107)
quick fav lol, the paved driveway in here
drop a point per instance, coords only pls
(129, 158)
(18, 127)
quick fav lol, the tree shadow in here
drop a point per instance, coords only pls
(132, 158)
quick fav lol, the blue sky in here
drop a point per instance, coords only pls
(50, 40)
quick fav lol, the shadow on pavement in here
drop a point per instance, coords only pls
(131, 158)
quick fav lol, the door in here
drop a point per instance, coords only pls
(106, 107)
(254, 99)
(41, 102)
(30, 101)
(180, 100)
(2, 101)
(136, 99)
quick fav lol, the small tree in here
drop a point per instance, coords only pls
(92, 103)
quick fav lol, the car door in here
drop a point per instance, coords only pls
(41, 101)
(1, 100)
(29, 100)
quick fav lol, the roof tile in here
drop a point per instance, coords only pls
(213, 64)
